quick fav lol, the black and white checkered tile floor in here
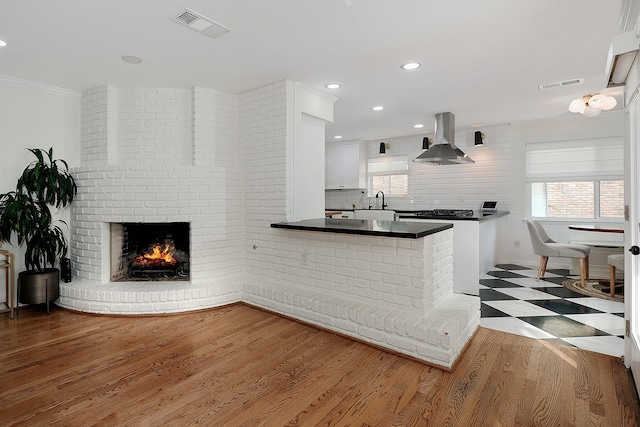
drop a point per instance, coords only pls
(512, 301)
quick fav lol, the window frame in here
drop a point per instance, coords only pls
(596, 205)
(595, 177)
(404, 171)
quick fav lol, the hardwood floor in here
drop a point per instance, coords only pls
(237, 365)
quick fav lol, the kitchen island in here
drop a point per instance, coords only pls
(387, 283)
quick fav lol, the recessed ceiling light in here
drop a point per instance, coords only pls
(410, 65)
(2, 43)
(131, 59)
(338, 137)
(418, 126)
(377, 108)
(333, 85)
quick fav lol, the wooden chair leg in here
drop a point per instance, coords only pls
(584, 262)
(612, 280)
(542, 268)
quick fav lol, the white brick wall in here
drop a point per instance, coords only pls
(377, 271)
(99, 125)
(155, 126)
(263, 132)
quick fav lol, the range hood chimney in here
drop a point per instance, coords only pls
(444, 151)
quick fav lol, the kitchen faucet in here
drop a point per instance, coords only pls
(383, 204)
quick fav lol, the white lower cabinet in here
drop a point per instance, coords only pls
(474, 251)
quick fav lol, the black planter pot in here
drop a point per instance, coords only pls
(39, 287)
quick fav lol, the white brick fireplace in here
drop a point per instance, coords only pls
(157, 155)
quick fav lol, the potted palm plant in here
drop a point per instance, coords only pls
(25, 213)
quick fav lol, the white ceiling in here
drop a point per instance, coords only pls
(482, 60)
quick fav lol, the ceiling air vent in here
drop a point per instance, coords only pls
(199, 23)
(561, 84)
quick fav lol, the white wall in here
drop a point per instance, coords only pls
(35, 116)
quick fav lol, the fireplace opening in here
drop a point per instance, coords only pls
(149, 251)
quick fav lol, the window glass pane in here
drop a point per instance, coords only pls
(563, 199)
(390, 185)
(612, 199)
(538, 199)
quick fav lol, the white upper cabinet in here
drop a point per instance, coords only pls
(345, 166)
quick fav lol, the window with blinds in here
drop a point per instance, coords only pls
(576, 179)
(389, 174)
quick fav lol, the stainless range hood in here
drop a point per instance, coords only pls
(444, 151)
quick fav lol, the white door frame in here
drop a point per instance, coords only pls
(632, 237)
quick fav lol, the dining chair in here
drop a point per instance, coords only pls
(545, 247)
(614, 261)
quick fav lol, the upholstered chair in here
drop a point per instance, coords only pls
(545, 247)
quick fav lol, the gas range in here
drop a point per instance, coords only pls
(445, 213)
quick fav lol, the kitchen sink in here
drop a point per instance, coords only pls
(379, 214)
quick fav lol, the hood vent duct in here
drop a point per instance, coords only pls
(444, 151)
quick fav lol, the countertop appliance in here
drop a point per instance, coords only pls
(489, 207)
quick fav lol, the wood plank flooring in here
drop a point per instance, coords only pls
(240, 366)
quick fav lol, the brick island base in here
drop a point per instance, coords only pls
(395, 293)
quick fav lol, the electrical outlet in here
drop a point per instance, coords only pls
(516, 244)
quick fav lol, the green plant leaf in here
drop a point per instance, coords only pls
(25, 213)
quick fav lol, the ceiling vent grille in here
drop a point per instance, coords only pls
(561, 84)
(197, 22)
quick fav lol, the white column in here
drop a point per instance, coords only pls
(306, 150)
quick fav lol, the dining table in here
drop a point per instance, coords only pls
(607, 285)
(597, 228)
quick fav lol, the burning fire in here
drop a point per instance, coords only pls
(159, 257)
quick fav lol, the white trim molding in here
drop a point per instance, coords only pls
(26, 84)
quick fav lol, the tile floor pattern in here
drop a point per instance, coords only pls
(512, 301)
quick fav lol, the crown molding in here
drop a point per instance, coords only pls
(25, 84)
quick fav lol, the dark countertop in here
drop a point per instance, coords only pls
(477, 216)
(401, 229)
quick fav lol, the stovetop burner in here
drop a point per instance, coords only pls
(445, 212)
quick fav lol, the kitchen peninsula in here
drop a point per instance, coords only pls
(383, 282)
